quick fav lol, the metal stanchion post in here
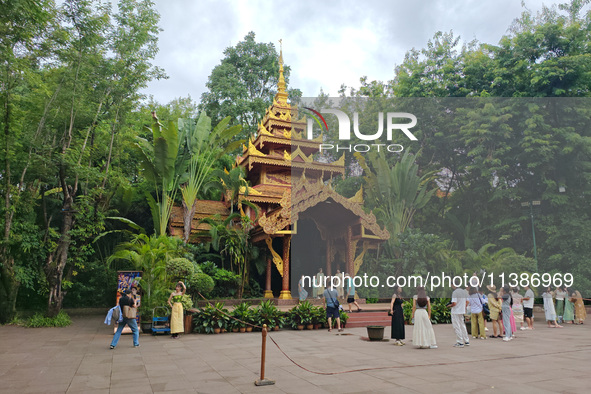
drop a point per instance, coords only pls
(262, 381)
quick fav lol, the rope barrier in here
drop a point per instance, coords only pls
(387, 367)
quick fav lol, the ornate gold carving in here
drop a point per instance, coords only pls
(340, 162)
(263, 130)
(251, 191)
(253, 151)
(276, 258)
(298, 152)
(359, 259)
(358, 197)
(287, 134)
(286, 156)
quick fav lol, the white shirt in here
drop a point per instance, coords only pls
(528, 303)
(459, 296)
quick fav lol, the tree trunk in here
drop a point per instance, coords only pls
(8, 288)
(188, 220)
(56, 261)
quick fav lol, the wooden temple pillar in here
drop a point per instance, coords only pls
(350, 252)
(268, 291)
(285, 292)
(328, 256)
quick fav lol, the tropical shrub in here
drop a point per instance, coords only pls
(38, 320)
(179, 268)
(200, 283)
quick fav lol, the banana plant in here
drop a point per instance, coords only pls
(159, 165)
(203, 147)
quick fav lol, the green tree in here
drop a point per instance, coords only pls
(243, 85)
(22, 28)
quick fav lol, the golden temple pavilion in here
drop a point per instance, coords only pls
(302, 222)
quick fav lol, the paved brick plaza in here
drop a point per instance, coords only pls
(78, 359)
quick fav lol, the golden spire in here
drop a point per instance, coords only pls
(281, 95)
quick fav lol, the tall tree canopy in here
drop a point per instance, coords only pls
(242, 86)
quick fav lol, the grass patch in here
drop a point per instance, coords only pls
(38, 320)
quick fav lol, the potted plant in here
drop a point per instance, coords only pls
(301, 315)
(267, 313)
(344, 317)
(242, 313)
(211, 318)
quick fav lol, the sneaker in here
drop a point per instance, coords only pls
(433, 347)
(474, 337)
(111, 347)
(467, 344)
(459, 344)
(485, 328)
(138, 345)
(523, 328)
(506, 339)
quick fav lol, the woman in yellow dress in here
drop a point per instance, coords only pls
(176, 317)
(580, 312)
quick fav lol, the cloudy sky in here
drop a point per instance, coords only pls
(327, 43)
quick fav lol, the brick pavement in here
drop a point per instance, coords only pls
(78, 359)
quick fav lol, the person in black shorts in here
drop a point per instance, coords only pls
(332, 307)
(351, 293)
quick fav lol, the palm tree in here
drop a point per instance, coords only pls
(397, 192)
(231, 183)
(149, 255)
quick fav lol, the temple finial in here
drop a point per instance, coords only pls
(281, 95)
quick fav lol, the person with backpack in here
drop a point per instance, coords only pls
(128, 308)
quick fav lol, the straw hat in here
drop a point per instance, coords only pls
(492, 288)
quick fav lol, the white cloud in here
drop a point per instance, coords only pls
(326, 43)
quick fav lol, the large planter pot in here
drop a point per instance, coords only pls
(375, 333)
(249, 329)
(242, 329)
(300, 326)
(217, 330)
(235, 329)
(188, 324)
(146, 327)
(309, 326)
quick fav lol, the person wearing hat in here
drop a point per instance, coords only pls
(124, 301)
(494, 306)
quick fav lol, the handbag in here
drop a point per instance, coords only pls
(335, 303)
(485, 310)
(129, 312)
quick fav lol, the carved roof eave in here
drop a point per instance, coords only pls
(326, 167)
(261, 199)
(262, 138)
(318, 192)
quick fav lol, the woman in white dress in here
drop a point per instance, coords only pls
(423, 335)
(549, 308)
(517, 307)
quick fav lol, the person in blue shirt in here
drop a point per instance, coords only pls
(351, 293)
(332, 307)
